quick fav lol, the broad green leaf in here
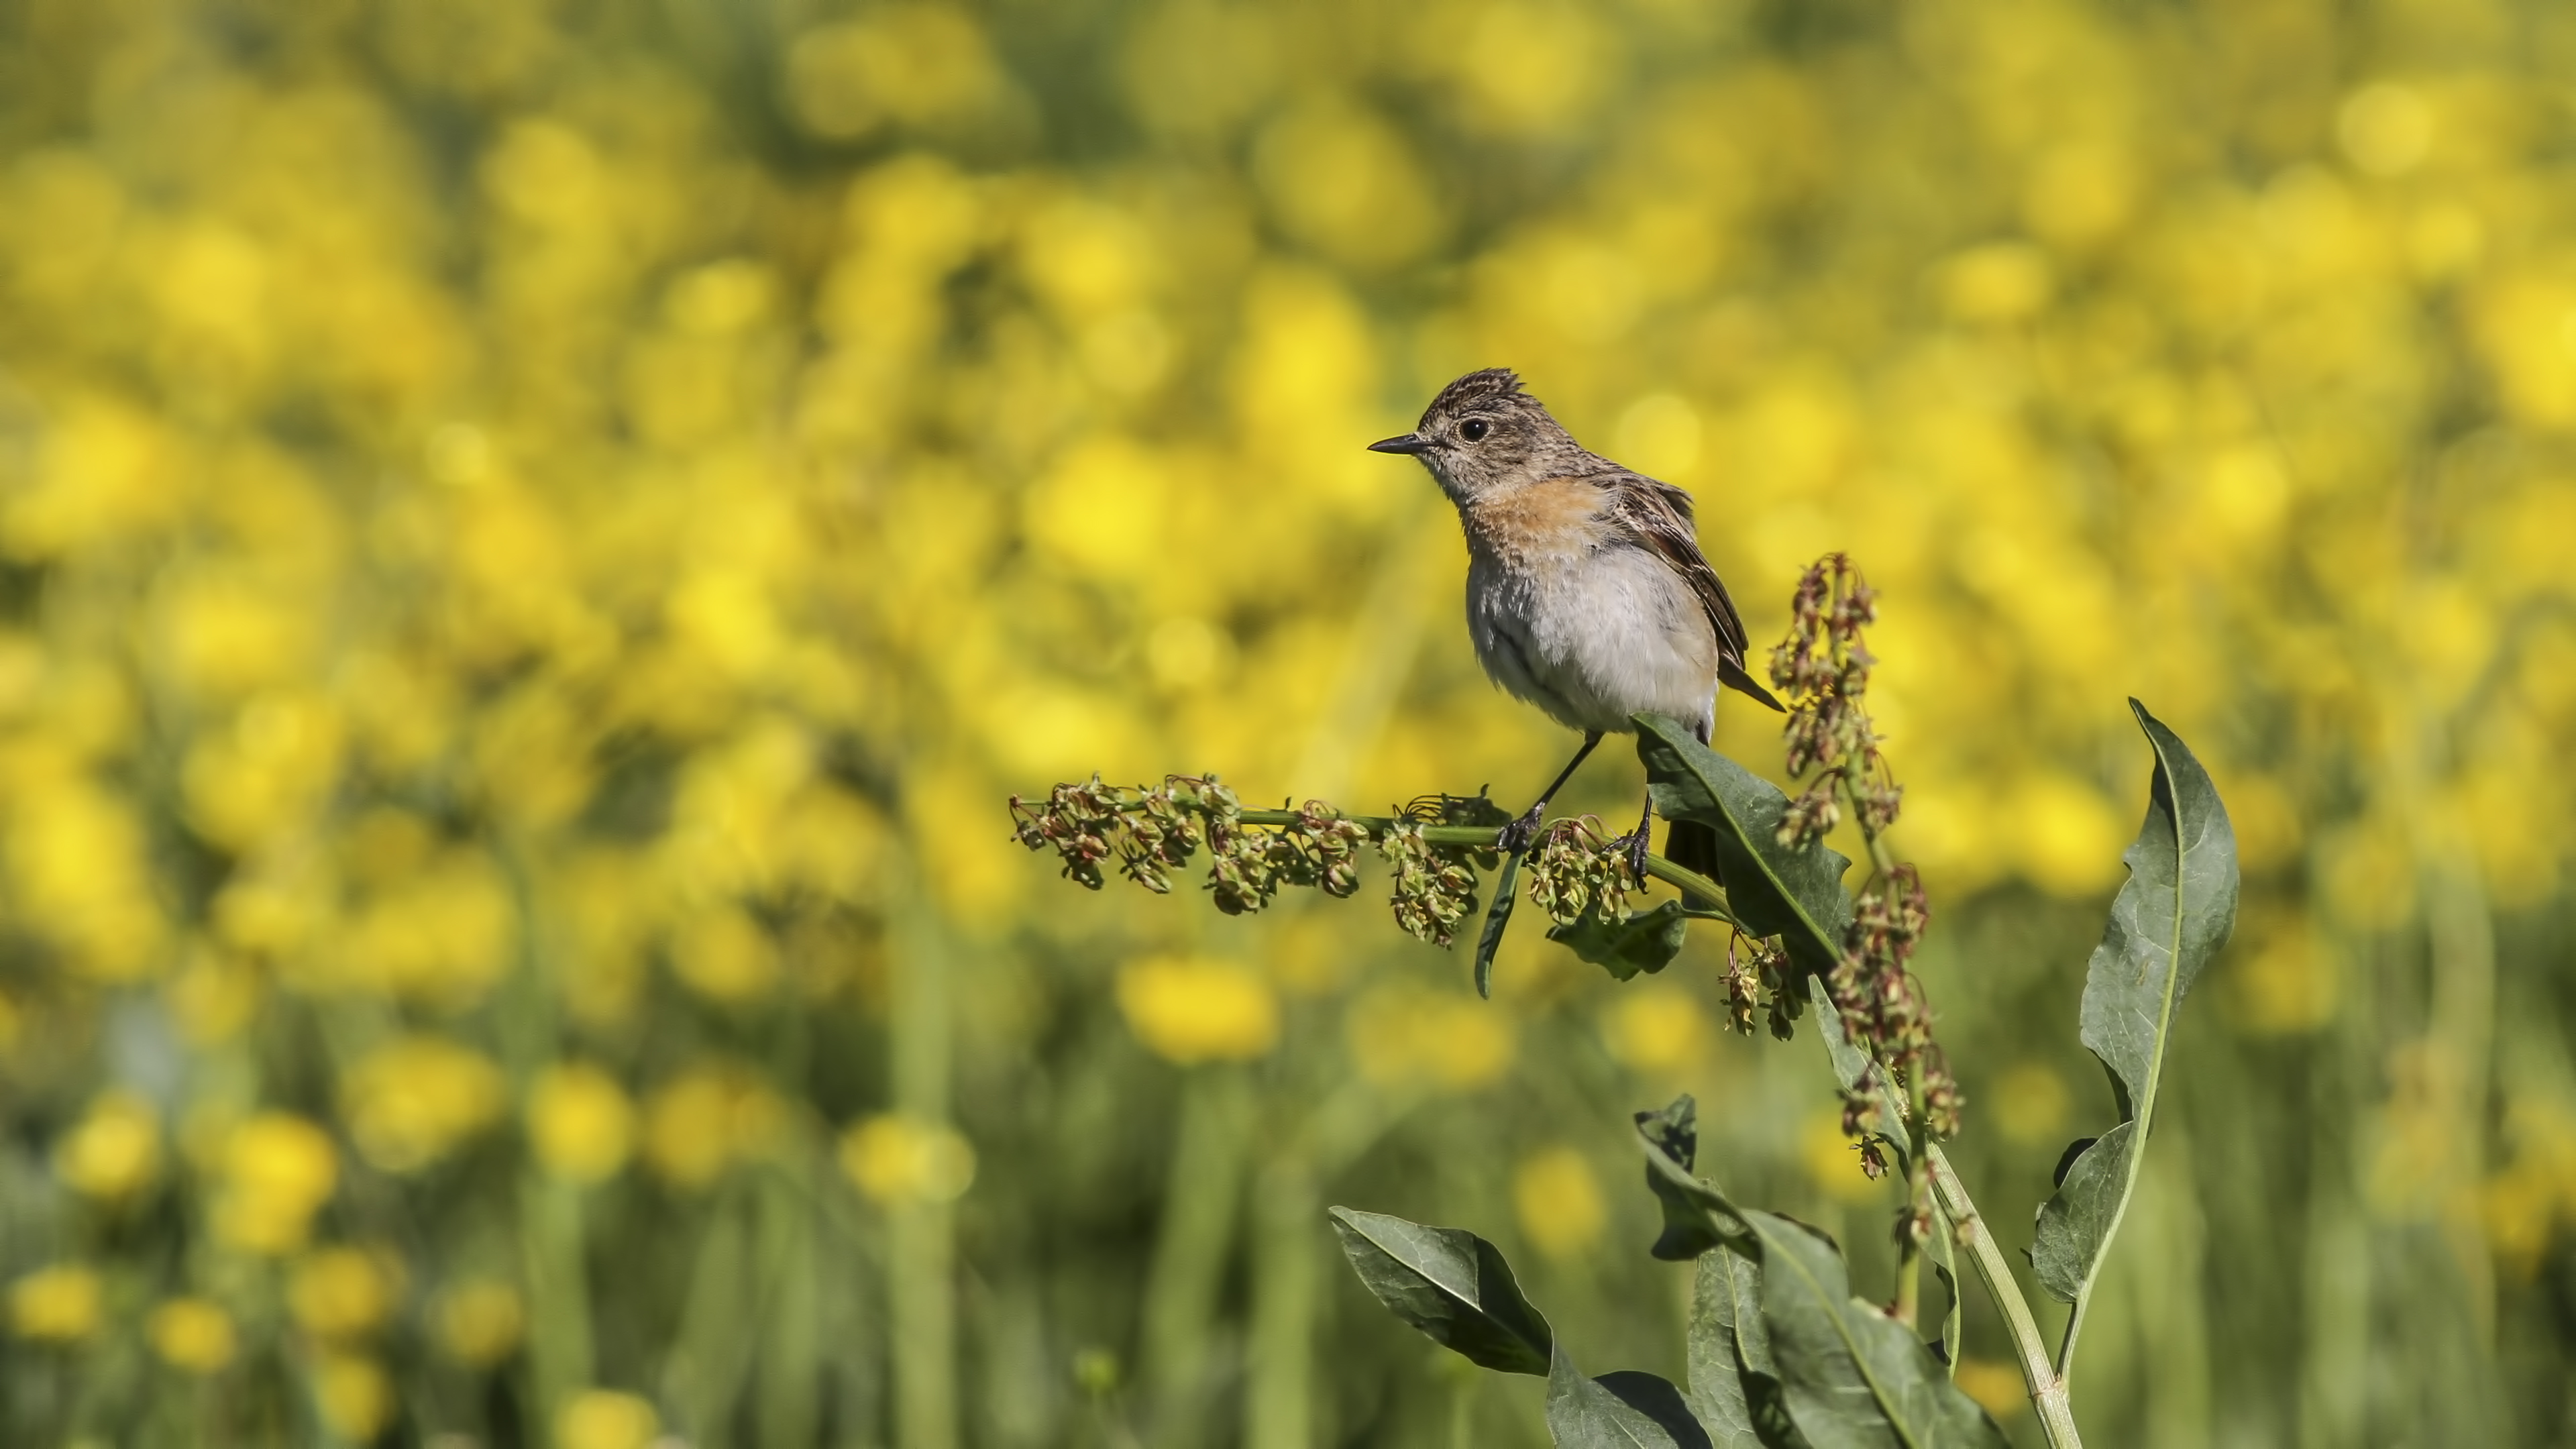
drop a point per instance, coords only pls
(1796, 895)
(1733, 1389)
(1449, 1283)
(2167, 922)
(1624, 1410)
(1854, 1378)
(1644, 941)
(1490, 939)
(1695, 1216)
(1845, 1373)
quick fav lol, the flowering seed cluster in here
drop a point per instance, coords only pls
(1824, 668)
(1148, 832)
(1759, 982)
(1319, 847)
(1882, 1005)
(1435, 886)
(1577, 873)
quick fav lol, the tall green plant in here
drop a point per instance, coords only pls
(1782, 1352)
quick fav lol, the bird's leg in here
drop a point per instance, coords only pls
(1639, 844)
(1516, 837)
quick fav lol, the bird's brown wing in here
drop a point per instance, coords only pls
(1658, 516)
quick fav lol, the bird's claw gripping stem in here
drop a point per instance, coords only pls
(1515, 838)
(1639, 844)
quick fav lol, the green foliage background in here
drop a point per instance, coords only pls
(534, 538)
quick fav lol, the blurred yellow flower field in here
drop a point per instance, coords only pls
(535, 540)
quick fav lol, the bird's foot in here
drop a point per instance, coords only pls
(1515, 838)
(1639, 844)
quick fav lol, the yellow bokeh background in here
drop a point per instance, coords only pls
(535, 541)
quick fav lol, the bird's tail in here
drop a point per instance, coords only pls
(1693, 846)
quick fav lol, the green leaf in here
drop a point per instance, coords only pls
(1645, 941)
(1497, 916)
(1734, 1390)
(1854, 1378)
(1695, 1216)
(1624, 1410)
(2167, 922)
(1796, 895)
(1449, 1283)
(1845, 1373)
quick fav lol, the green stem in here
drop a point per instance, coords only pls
(2047, 1386)
(1918, 1209)
(1918, 1180)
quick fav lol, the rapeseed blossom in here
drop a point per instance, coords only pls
(532, 542)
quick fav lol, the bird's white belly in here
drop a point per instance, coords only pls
(1595, 637)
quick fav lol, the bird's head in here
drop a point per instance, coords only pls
(1482, 434)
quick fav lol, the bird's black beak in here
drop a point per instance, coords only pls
(1409, 443)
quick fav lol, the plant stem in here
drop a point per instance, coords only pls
(2047, 1386)
(1918, 1211)
(1918, 1179)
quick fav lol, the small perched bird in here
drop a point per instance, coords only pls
(1586, 591)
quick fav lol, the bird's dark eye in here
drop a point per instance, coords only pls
(1474, 430)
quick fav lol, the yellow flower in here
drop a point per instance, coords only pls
(440, 935)
(212, 998)
(606, 1419)
(191, 1334)
(2070, 838)
(2030, 1105)
(894, 1158)
(703, 1120)
(278, 1170)
(415, 1099)
(1559, 1200)
(61, 1304)
(77, 854)
(1404, 1034)
(479, 1321)
(341, 1292)
(1655, 1027)
(1190, 1011)
(115, 1151)
(580, 1122)
(355, 1394)
(723, 955)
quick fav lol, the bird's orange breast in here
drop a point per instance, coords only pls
(1556, 516)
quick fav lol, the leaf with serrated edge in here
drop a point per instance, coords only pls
(1624, 1410)
(1854, 1377)
(1640, 941)
(1449, 1283)
(2167, 922)
(1796, 895)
